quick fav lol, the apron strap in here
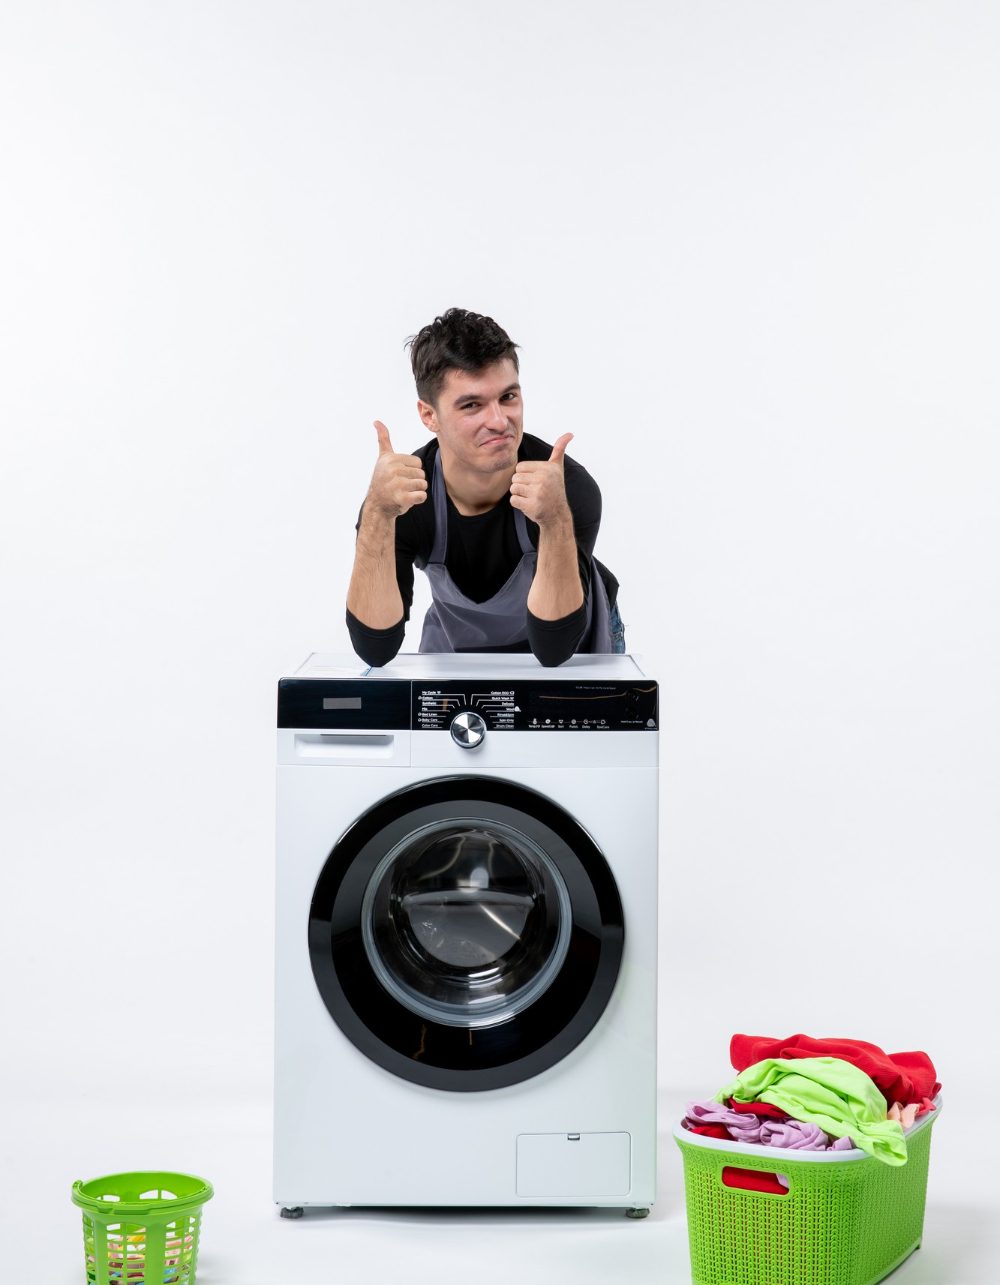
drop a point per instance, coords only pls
(521, 527)
(439, 498)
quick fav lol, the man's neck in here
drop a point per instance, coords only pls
(474, 493)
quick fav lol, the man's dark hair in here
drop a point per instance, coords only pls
(457, 340)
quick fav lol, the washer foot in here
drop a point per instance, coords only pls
(636, 1213)
(293, 1211)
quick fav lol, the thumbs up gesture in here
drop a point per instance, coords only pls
(398, 482)
(538, 487)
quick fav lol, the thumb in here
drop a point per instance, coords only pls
(559, 450)
(384, 445)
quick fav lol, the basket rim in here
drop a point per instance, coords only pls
(790, 1155)
(112, 1210)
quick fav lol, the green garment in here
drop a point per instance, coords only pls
(827, 1091)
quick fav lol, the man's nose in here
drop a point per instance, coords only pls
(495, 416)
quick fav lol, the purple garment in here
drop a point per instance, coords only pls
(741, 1126)
(744, 1126)
(800, 1135)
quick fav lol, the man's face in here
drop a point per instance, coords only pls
(478, 418)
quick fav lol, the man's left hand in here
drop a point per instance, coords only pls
(538, 487)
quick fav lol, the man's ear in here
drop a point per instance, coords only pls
(428, 416)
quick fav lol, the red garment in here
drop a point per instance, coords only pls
(753, 1180)
(711, 1131)
(902, 1077)
(760, 1109)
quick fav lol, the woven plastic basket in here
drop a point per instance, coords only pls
(141, 1228)
(846, 1219)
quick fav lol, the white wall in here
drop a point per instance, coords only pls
(750, 253)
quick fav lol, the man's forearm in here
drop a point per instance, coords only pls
(373, 596)
(556, 590)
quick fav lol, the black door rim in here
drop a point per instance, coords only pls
(450, 1056)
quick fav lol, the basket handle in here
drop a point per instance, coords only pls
(753, 1181)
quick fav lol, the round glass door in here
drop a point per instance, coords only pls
(466, 922)
(466, 933)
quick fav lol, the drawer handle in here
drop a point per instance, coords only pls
(334, 745)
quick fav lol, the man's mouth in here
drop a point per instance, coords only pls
(501, 437)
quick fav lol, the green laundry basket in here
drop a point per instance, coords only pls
(141, 1228)
(846, 1218)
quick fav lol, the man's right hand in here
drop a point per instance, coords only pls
(398, 482)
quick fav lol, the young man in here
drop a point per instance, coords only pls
(502, 523)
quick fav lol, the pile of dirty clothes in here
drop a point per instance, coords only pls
(806, 1094)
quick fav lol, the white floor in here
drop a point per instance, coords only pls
(244, 1242)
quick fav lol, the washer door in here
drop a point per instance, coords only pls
(466, 933)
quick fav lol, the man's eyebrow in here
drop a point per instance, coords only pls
(475, 397)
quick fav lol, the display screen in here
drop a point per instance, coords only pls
(341, 702)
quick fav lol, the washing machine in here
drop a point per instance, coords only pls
(466, 933)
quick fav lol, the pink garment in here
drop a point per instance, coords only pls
(904, 1114)
(800, 1135)
(742, 1126)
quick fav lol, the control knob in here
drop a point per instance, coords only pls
(468, 730)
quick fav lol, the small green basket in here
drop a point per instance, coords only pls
(141, 1228)
(848, 1220)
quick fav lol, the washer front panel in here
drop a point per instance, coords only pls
(466, 933)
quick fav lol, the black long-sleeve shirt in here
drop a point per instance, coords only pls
(483, 551)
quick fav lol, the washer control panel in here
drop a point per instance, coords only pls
(538, 706)
(527, 705)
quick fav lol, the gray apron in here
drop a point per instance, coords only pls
(456, 623)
